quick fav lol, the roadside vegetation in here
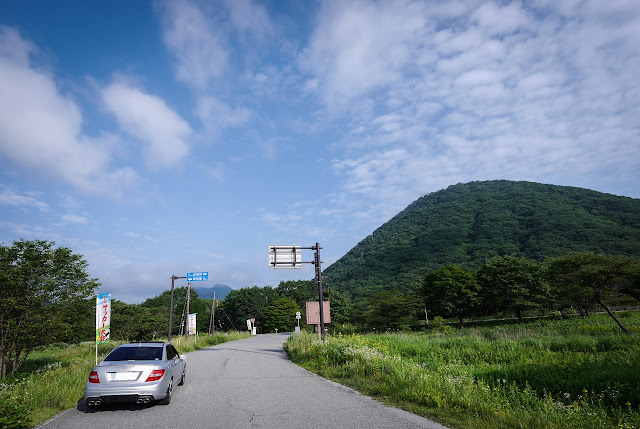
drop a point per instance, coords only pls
(52, 379)
(549, 373)
(564, 373)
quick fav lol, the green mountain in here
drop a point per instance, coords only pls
(466, 224)
(207, 292)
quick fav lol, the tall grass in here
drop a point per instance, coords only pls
(555, 374)
(55, 377)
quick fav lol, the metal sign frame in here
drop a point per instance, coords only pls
(292, 262)
(285, 256)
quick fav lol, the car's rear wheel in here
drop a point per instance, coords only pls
(167, 399)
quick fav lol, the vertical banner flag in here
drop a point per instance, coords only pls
(192, 324)
(103, 318)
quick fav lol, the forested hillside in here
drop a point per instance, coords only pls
(467, 224)
(221, 291)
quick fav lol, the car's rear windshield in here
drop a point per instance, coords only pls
(135, 353)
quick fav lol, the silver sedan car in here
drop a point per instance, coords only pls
(136, 372)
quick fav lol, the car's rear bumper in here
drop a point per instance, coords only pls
(110, 393)
(110, 399)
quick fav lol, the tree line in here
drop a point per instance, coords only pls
(47, 296)
(581, 281)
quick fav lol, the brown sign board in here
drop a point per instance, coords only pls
(313, 312)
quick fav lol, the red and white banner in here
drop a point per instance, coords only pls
(103, 318)
(192, 324)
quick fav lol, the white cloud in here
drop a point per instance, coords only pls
(192, 38)
(149, 119)
(41, 128)
(278, 220)
(247, 16)
(498, 20)
(478, 77)
(29, 231)
(361, 46)
(10, 198)
(216, 115)
(203, 36)
(76, 219)
(477, 91)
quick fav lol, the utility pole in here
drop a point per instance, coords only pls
(181, 333)
(186, 330)
(317, 263)
(329, 297)
(212, 325)
(173, 278)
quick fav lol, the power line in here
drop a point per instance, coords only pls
(258, 281)
(225, 313)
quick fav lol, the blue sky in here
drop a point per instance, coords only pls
(160, 138)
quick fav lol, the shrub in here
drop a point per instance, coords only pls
(438, 325)
(14, 411)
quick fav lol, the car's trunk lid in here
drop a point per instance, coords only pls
(129, 372)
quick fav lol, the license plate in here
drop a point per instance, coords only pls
(124, 376)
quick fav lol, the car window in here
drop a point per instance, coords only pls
(171, 352)
(135, 353)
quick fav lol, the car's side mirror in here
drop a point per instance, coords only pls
(183, 357)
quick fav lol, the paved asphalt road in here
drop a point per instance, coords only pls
(248, 383)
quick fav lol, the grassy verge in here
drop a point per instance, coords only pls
(550, 374)
(53, 379)
(202, 341)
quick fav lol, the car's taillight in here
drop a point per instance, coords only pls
(93, 377)
(156, 374)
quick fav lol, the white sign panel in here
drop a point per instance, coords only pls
(285, 256)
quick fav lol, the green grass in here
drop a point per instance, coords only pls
(572, 373)
(53, 378)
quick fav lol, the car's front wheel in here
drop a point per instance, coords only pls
(167, 399)
(183, 376)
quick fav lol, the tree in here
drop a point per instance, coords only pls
(594, 278)
(247, 303)
(391, 309)
(450, 291)
(131, 322)
(341, 308)
(300, 291)
(632, 286)
(513, 284)
(38, 284)
(281, 315)
(157, 310)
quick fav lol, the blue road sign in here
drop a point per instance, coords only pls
(198, 277)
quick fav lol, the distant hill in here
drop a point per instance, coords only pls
(207, 292)
(466, 224)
